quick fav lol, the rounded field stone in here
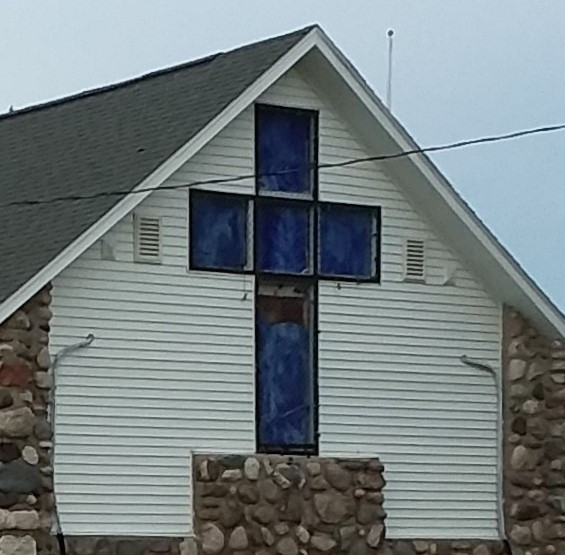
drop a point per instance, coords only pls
(323, 542)
(6, 399)
(208, 470)
(18, 545)
(42, 430)
(231, 513)
(539, 391)
(9, 452)
(238, 539)
(268, 467)
(338, 477)
(232, 461)
(319, 483)
(293, 509)
(43, 380)
(531, 406)
(404, 548)
(251, 469)
(521, 458)
(29, 455)
(15, 373)
(264, 514)
(43, 359)
(188, 546)
(517, 369)
(313, 468)
(212, 539)
(287, 546)
(8, 499)
(19, 321)
(521, 535)
(302, 534)
(16, 423)
(24, 520)
(332, 507)
(232, 475)
(369, 513)
(519, 425)
(371, 481)
(282, 528)
(346, 535)
(213, 490)
(270, 491)
(291, 472)
(248, 493)
(375, 535)
(267, 536)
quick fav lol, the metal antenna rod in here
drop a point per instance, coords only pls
(390, 35)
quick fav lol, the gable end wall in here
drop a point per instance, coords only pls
(171, 370)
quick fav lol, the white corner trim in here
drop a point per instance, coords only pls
(440, 184)
(155, 179)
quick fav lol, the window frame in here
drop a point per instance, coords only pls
(249, 230)
(313, 115)
(313, 221)
(309, 283)
(376, 243)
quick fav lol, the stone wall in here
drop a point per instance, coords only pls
(26, 481)
(93, 545)
(446, 547)
(534, 431)
(288, 505)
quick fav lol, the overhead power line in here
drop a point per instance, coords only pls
(344, 163)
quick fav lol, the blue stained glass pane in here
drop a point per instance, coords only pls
(283, 239)
(284, 146)
(218, 232)
(346, 242)
(284, 381)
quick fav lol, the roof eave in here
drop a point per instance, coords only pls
(516, 288)
(156, 178)
(528, 296)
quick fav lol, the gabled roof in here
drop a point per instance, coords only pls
(108, 139)
(134, 135)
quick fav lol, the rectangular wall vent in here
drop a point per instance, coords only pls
(414, 260)
(147, 238)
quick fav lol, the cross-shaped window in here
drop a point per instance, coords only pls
(289, 239)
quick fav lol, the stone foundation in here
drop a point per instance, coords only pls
(534, 446)
(26, 475)
(189, 546)
(454, 547)
(288, 505)
(92, 545)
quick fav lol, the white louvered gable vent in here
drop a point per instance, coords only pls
(414, 260)
(147, 238)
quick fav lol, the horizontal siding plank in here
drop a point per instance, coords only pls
(161, 408)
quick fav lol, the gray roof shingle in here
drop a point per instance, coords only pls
(106, 140)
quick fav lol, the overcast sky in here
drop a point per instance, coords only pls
(463, 69)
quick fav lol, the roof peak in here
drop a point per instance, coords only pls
(149, 75)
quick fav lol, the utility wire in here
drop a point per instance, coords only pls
(345, 163)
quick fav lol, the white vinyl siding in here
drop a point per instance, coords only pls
(172, 367)
(169, 372)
